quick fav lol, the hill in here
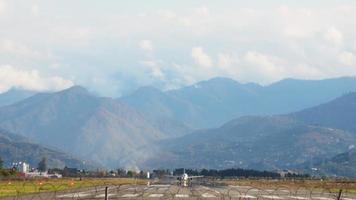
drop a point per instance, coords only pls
(270, 142)
(339, 113)
(15, 148)
(211, 103)
(343, 164)
(73, 120)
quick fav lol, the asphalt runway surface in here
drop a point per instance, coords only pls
(196, 191)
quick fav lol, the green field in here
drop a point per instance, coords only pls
(22, 187)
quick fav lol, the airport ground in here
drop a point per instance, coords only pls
(205, 189)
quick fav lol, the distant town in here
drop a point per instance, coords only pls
(23, 169)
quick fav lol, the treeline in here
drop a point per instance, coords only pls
(245, 173)
(6, 172)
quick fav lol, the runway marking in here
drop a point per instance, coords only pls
(296, 197)
(181, 195)
(156, 195)
(208, 195)
(72, 195)
(103, 195)
(159, 185)
(239, 186)
(285, 191)
(246, 196)
(130, 195)
(271, 197)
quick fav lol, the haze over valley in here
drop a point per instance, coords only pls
(216, 123)
(204, 84)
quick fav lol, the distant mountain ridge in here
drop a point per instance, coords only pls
(151, 128)
(211, 103)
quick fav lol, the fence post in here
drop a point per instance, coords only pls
(339, 195)
(106, 193)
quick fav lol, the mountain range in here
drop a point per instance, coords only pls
(211, 103)
(301, 140)
(216, 123)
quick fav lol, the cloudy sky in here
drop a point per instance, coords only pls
(114, 46)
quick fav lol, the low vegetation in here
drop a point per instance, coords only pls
(22, 187)
(330, 185)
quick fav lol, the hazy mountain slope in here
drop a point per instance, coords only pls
(217, 100)
(291, 95)
(254, 142)
(296, 140)
(162, 109)
(211, 103)
(14, 95)
(73, 120)
(339, 113)
(343, 164)
(205, 104)
(15, 148)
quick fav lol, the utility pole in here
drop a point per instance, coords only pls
(339, 195)
(106, 193)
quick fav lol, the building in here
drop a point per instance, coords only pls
(22, 167)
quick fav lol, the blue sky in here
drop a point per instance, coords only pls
(113, 47)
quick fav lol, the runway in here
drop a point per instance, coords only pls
(167, 191)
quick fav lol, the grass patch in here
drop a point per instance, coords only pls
(29, 186)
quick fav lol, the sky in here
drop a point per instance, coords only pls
(112, 47)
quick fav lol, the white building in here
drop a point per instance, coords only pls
(23, 167)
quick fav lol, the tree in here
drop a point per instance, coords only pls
(130, 174)
(1, 163)
(42, 165)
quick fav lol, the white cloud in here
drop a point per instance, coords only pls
(227, 60)
(21, 51)
(32, 80)
(202, 11)
(201, 58)
(347, 58)
(261, 43)
(167, 14)
(155, 68)
(146, 45)
(266, 63)
(149, 63)
(2, 7)
(334, 36)
(35, 10)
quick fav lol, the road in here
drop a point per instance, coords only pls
(172, 191)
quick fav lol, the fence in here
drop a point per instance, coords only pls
(114, 190)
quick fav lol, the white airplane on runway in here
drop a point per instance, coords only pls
(184, 179)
